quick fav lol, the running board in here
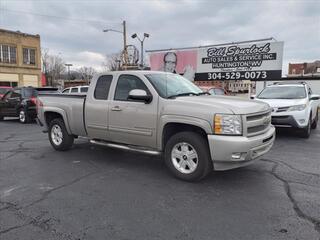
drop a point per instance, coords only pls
(125, 147)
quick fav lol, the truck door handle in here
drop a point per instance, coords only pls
(116, 108)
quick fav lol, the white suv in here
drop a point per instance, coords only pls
(293, 105)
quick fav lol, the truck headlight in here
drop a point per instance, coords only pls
(227, 124)
(297, 108)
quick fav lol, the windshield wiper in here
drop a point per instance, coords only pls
(183, 94)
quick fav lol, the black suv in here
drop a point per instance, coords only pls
(21, 102)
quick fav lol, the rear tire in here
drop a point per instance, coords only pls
(23, 116)
(315, 122)
(305, 133)
(58, 135)
(187, 156)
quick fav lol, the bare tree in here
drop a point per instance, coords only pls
(87, 73)
(113, 62)
(52, 65)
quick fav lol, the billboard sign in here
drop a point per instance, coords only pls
(256, 61)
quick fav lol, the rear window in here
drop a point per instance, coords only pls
(101, 91)
(84, 89)
(29, 92)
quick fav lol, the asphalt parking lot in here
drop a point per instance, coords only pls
(92, 192)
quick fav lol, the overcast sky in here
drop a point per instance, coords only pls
(76, 30)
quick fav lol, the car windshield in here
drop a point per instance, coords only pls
(283, 92)
(3, 90)
(171, 85)
(30, 92)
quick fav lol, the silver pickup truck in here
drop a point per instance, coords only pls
(161, 113)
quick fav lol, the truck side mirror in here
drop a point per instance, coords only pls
(252, 96)
(139, 95)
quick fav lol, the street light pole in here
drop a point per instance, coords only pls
(68, 65)
(125, 44)
(124, 33)
(145, 35)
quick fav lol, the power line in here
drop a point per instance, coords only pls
(59, 17)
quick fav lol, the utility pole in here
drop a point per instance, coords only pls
(124, 33)
(125, 45)
(68, 65)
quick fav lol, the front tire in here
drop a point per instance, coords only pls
(315, 122)
(306, 132)
(58, 135)
(187, 156)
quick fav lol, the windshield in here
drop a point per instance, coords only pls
(4, 90)
(168, 85)
(287, 92)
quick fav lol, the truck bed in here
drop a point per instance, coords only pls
(72, 107)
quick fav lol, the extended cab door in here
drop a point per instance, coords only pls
(133, 122)
(97, 108)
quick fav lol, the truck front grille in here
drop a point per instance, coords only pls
(258, 123)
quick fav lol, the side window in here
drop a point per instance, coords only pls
(84, 89)
(66, 90)
(125, 84)
(8, 95)
(101, 91)
(16, 94)
(74, 90)
(212, 92)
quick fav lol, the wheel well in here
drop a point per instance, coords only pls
(172, 128)
(49, 116)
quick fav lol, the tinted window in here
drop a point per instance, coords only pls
(8, 95)
(212, 92)
(74, 90)
(29, 92)
(125, 84)
(84, 89)
(4, 90)
(102, 87)
(16, 93)
(219, 91)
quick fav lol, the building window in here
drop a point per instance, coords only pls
(8, 54)
(29, 56)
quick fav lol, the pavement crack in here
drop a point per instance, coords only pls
(298, 211)
(13, 228)
(47, 193)
(291, 167)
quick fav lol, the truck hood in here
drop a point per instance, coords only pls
(234, 104)
(276, 103)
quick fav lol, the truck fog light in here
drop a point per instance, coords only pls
(302, 121)
(236, 155)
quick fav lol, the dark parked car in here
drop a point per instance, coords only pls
(3, 90)
(21, 102)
